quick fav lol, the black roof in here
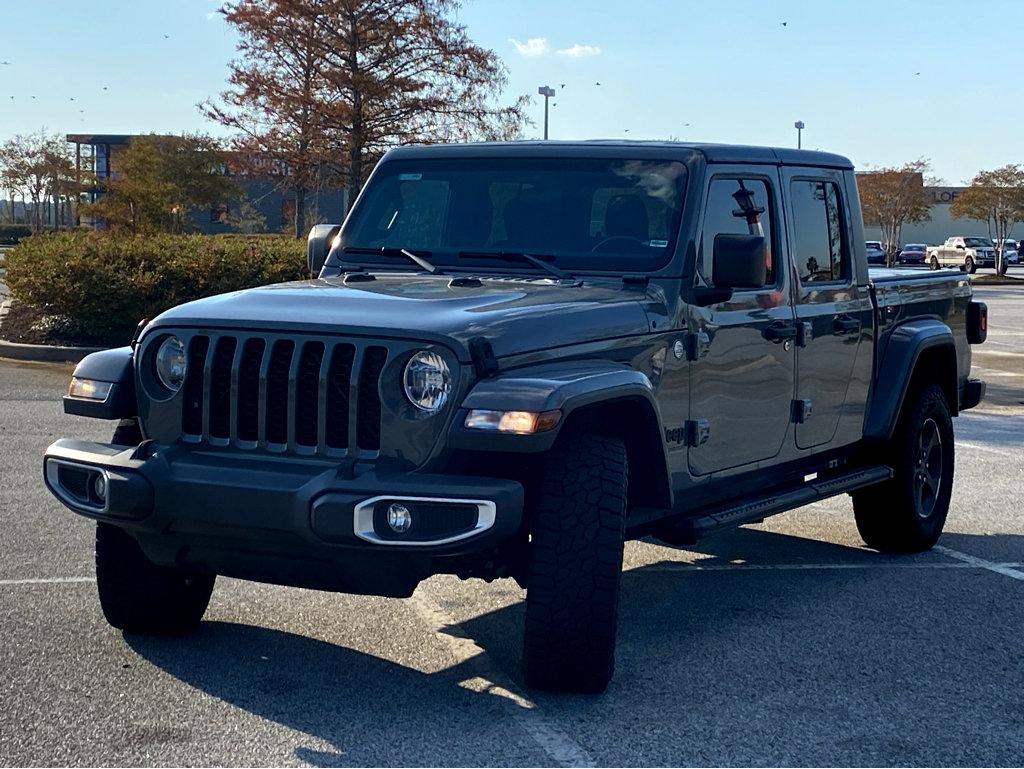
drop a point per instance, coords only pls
(713, 153)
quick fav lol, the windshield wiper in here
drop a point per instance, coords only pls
(512, 256)
(386, 251)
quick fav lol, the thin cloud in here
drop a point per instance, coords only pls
(579, 51)
(534, 46)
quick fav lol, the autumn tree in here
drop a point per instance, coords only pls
(158, 179)
(345, 80)
(279, 96)
(38, 167)
(996, 197)
(892, 197)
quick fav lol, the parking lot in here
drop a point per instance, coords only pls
(781, 643)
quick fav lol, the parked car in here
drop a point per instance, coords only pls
(913, 253)
(968, 253)
(875, 252)
(498, 372)
(1010, 247)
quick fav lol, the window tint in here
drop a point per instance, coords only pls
(737, 207)
(819, 245)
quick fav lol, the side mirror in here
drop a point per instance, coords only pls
(318, 246)
(960, 247)
(739, 261)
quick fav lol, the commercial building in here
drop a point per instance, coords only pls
(98, 154)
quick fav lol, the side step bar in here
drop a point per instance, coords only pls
(707, 522)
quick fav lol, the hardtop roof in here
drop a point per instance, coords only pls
(713, 153)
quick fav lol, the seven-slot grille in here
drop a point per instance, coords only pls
(283, 393)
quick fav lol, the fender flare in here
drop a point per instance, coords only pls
(566, 386)
(116, 366)
(907, 343)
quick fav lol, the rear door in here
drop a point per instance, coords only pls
(833, 312)
(741, 380)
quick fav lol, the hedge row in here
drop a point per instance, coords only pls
(98, 286)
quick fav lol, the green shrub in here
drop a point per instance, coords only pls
(12, 233)
(100, 286)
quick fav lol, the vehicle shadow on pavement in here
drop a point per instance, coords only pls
(859, 654)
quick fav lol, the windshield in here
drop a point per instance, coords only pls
(583, 213)
(977, 243)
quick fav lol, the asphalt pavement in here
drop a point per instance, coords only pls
(781, 643)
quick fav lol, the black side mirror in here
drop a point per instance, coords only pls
(960, 247)
(318, 246)
(739, 261)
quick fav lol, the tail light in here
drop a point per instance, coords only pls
(977, 322)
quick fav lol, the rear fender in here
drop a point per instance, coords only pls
(917, 349)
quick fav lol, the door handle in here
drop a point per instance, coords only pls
(779, 331)
(843, 324)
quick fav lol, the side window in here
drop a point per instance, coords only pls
(819, 244)
(737, 207)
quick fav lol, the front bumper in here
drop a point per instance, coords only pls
(278, 520)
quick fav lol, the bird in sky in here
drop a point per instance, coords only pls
(784, 23)
(167, 37)
(4, 63)
(916, 74)
(104, 88)
(561, 85)
(72, 98)
(626, 130)
(686, 125)
(598, 83)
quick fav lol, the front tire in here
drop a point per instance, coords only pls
(933, 264)
(138, 596)
(969, 266)
(577, 535)
(907, 513)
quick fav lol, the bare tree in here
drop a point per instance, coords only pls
(996, 197)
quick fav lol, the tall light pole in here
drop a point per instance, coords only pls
(547, 92)
(799, 126)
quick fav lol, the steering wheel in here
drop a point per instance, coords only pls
(618, 243)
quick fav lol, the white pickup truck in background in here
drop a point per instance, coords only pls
(969, 253)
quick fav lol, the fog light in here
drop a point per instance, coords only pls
(399, 518)
(99, 487)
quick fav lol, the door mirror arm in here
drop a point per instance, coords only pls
(707, 296)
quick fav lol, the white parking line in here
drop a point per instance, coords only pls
(562, 749)
(987, 449)
(680, 566)
(1006, 569)
(46, 581)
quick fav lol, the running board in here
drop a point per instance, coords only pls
(757, 509)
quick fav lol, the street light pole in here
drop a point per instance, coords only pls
(547, 93)
(799, 126)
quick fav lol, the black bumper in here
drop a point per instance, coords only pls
(277, 520)
(972, 394)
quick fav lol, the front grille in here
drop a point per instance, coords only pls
(303, 395)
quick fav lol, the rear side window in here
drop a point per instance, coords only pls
(820, 250)
(737, 207)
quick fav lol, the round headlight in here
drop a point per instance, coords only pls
(427, 381)
(170, 363)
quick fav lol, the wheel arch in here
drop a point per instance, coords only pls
(918, 353)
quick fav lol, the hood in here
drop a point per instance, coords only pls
(515, 315)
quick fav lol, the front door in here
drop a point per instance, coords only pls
(741, 378)
(833, 313)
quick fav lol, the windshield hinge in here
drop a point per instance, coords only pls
(484, 362)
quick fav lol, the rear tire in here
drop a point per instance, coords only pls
(138, 596)
(572, 597)
(907, 513)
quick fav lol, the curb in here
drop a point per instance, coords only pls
(45, 353)
(998, 282)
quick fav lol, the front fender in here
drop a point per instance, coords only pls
(116, 366)
(907, 343)
(567, 387)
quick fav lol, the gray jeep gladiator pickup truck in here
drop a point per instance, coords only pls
(515, 357)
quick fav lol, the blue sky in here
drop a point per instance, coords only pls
(729, 69)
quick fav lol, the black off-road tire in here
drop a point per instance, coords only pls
(138, 596)
(572, 598)
(907, 513)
